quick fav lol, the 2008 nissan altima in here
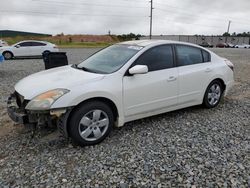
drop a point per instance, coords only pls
(121, 83)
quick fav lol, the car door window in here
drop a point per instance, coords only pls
(188, 55)
(206, 56)
(38, 44)
(157, 58)
(25, 44)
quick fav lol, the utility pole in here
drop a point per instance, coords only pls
(229, 24)
(151, 18)
(228, 28)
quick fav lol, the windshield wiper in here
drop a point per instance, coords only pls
(84, 68)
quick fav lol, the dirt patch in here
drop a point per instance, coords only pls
(6, 129)
(7, 126)
(240, 96)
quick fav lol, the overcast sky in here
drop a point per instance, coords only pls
(125, 16)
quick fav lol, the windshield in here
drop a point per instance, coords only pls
(109, 59)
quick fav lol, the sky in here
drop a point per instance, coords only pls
(178, 17)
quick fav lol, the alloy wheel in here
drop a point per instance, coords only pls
(214, 94)
(93, 125)
(7, 55)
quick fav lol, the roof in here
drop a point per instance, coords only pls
(153, 42)
(34, 41)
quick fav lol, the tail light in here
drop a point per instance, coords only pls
(229, 64)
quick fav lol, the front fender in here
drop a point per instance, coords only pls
(70, 100)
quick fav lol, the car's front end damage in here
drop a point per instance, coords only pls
(26, 112)
(16, 109)
(46, 98)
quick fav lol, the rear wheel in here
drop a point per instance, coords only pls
(213, 94)
(45, 52)
(7, 55)
(91, 123)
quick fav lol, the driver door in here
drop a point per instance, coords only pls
(155, 90)
(23, 49)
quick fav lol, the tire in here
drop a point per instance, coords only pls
(7, 55)
(213, 94)
(46, 51)
(90, 123)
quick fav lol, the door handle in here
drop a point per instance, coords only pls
(171, 78)
(208, 70)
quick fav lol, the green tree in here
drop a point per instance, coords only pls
(226, 34)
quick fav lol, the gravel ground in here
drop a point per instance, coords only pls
(192, 147)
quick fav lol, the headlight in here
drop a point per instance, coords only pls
(45, 100)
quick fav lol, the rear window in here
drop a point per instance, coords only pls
(188, 55)
(38, 44)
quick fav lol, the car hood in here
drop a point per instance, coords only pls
(4, 48)
(65, 77)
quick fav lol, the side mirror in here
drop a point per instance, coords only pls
(138, 69)
(17, 46)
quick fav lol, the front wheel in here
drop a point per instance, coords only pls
(90, 123)
(7, 55)
(213, 94)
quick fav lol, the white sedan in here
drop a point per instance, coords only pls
(121, 83)
(3, 43)
(242, 46)
(27, 48)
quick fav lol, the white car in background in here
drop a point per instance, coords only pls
(242, 46)
(3, 43)
(121, 83)
(27, 48)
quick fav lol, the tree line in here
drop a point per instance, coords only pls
(234, 34)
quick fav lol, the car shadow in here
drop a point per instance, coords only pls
(23, 58)
(50, 137)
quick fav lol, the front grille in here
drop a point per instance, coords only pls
(21, 102)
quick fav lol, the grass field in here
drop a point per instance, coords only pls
(84, 45)
(64, 42)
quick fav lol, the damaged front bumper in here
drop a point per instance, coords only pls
(16, 111)
(55, 117)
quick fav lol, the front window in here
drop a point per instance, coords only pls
(157, 58)
(109, 59)
(25, 44)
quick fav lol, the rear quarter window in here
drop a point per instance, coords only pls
(206, 56)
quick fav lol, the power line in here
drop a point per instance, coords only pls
(201, 25)
(61, 14)
(105, 5)
(70, 4)
(88, 4)
(188, 12)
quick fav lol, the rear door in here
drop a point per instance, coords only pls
(38, 48)
(155, 90)
(195, 70)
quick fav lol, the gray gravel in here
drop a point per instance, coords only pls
(193, 147)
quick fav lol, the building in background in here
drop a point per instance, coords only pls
(11, 33)
(197, 39)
